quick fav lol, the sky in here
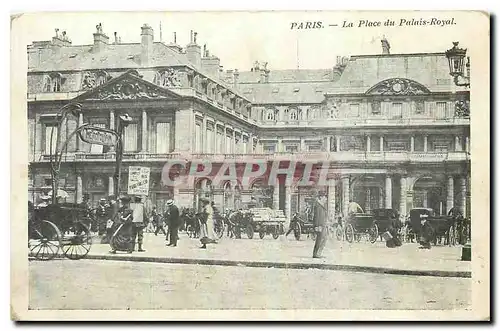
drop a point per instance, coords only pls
(241, 38)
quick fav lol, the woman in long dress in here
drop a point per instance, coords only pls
(122, 239)
(207, 228)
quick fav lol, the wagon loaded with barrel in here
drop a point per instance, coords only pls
(59, 227)
(265, 221)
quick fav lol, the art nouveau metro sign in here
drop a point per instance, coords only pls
(98, 136)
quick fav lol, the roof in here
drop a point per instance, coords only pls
(359, 75)
(117, 56)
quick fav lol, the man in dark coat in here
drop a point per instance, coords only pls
(173, 220)
(139, 223)
(319, 210)
(427, 233)
(122, 239)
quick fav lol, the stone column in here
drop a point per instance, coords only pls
(337, 147)
(368, 144)
(234, 141)
(450, 195)
(402, 199)
(112, 126)
(462, 185)
(368, 200)
(144, 136)
(381, 197)
(79, 188)
(38, 134)
(381, 143)
(467, 144)
(388, 192)
(412, 144)
(288, 201)
(224, 141)
(302, 145)
(276, 197)
(216, 132)
(80, 142)
(425, 143)
(345, 195)
(111, 185)
(249, 144)
(331, 199)
(204, 136)
(424, 202)
(280, 145)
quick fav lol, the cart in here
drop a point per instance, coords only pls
(56, 227)
(262, 220)
(385, 219)
(360, 225)
(302, 225)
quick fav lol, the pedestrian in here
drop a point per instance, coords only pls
(139, 223)
(122, 237)
(319, 210)
(157, 222)
(173, 221)
(102, 218)
(391, 236)
(207, 226)
(426, 232)
(293, 224)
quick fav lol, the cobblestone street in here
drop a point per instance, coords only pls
(87, 284)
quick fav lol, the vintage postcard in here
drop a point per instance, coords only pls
(250, 166)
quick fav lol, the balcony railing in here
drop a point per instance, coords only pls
(341, 157)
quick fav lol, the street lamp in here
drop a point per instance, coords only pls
(123, 121)
(55, 155)
(456, 61)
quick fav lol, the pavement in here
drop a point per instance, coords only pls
(288, 253)
(109, 285)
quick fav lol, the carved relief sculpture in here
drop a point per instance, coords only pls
(333, 108)
(398, 86)
(462, 108)
(168, 78)
(128, 90)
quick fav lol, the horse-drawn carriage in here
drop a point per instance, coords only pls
(385, 219)
(358, 225)
(63, 226)
(442, 225)
(302, 224)
(261, 220)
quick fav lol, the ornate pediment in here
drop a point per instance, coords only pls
(398, 86)
(128, 87)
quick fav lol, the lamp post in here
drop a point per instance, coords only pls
(456, 60)
(55, 155)
(123, 121)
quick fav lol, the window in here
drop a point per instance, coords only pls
(162, 137)
(269, 148)
(396, 110)
(293, 114)
(56, 83)
(229, 144)
(245, 144)
(50, 132)
(47, 181)
(440, 110)
(130, 138)
(314, 148)
(219, 146)
(270, 115)
(198, 138)
(52, 83)
(210, 140)
(95, 148)
(291, 148)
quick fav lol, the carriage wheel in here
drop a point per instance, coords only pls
(297, 231)
(276, 232)
(349, 233)
(373, 233)
(44, 241)
(339, 233)
(76, 244)
(249, 230)
(262, 234)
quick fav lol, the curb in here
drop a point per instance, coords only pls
(280, 265)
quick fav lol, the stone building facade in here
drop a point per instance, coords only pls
(394, 127)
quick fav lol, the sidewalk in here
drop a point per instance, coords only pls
(442, 261)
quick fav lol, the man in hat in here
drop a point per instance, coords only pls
(157, 222)
(139, 223)
(207, 227)
(111, 213)
(102, 213)
(427, 232)
(122, 238)
(173, 221)
(319, 210)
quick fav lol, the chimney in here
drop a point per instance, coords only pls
(210, 63)
(147, 37)
(339, 60)
(173, 45)
(117, 39)
(193, 51)
(60, 39)
(385, 46)
(100, 39)
(236, 76)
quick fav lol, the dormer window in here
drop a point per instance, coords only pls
(102, 77)
(293, 113)
(52, 83)
(270, 115)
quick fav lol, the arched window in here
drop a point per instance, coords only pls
(47, 84)
(286, 114)
(293, 114)
(204, 190)
(56, 82)
(102, 77)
